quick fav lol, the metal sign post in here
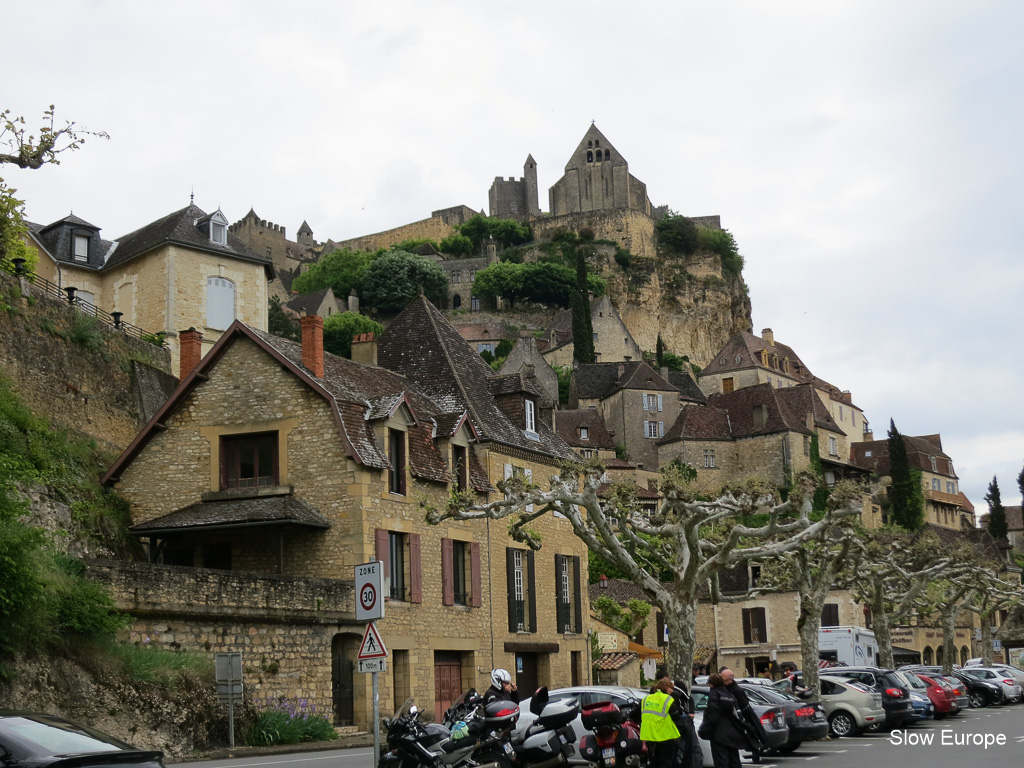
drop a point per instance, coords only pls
(372, 652)
(228, 669)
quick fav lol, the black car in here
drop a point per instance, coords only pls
(982, 693)
(805, 717)
(30, 740)
(895, 696)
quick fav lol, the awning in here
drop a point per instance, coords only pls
(234, 513)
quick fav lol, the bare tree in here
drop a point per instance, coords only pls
(26, 150)
(673, 552)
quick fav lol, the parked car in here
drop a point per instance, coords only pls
(1011, 688)
(805, 717)
(1006, 669)
(895, 696)
(939, 692)
(32, 740)
(963, 700)
(773, 718)
(850, 706)
(923, 708)
(982, 693)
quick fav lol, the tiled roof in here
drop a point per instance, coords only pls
(743, 350)
(802, 399)
(615, 660)
(485, 332)
(568, 423)
(423, 346)
(1014, 521)
(873, 455)
(236, 512)
(699, 422)
(182, 228)
(309, 302)
(688, 388)
(619, 590)
(596, 381)
(740, 406)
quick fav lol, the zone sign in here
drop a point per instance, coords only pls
(370, 591)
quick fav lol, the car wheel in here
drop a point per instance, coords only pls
(978, 699)
(841, 724)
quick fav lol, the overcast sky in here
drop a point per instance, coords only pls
(866, 155)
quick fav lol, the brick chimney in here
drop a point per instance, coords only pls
(313, 344)
(767, 336)
(364, 348)
(190, 347)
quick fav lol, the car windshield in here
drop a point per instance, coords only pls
(46, 736)
(981, 674)
(912, 681)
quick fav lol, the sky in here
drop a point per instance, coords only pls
(865, 155)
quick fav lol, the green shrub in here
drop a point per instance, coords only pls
(677, 234)
(722, 242)
(85, 331)
(157, 666)
(287, 721)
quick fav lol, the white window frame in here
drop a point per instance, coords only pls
(216, 312)
(653, 403)
(531, 416)
(82, 240)
(584, 433)
(654, 429)
(709, 458)
(833, 447)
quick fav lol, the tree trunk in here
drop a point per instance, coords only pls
(986, 638)
(949, 655)
(882, 628)
(681, 621)
(808, 625)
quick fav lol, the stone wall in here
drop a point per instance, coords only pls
(93, 392)
(633, 230)
(440, 225)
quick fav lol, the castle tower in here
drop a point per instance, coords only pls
(530, 179)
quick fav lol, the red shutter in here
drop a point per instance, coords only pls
(447, 580)
(415, 570)
(475, 583)
(382, 550)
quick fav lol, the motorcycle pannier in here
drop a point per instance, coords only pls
(501, 712)
(602, 713)
(559, 713)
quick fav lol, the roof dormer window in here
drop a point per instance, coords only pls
(218, 228)
(81, 247)
(531, 417)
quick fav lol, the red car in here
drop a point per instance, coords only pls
(941, 695)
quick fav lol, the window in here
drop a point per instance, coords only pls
(85, 297)
(755, 628)
(522, 603)
(830, 615)
(531, 416)
(460, 466)
(568, 596)
(807, 446)
(218, 233)
(728, 385)
(935, 483)
(950, 487)
(396, 455)
(587, 453)
(833, 447)
(653, 403)
(709, 458)
(935, 464)
(486, 346)
(81, 247)
(220, 302)
(584, 433)
(217, 556)
(457, 276)
(248, 461)
(754, 576)
(840, 413)
(400, 554)
(474, 303)
(654, 428)
(460, 573)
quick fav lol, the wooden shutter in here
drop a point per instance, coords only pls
(447, 575)
(762, 625)
(382, 550)
(475, 582)
(510, 580)
(415, 569)
(532, 582)
(558, 593)
(577, 594)
(746, 626)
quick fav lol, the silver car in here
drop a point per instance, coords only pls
(850, 706)
(1011, 688)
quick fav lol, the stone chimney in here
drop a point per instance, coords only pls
(313, 344)
(603, 581)
(664, 372)
(364, 348)
(353, 301)
(190, 351)
(622, 369)
(767, 336)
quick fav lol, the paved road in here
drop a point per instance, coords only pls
(930, 744)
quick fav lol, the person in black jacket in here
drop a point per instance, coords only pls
(690, 755)
(754, 728)
(502, 687)
(723, 725)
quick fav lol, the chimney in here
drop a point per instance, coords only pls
(622, 369)
(313, 344)
(190, 351)
(364, 348)
(603, 581)
(353, 301)
(767, 336)
(664, 372)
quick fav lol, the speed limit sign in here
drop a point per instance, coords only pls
(370, 591)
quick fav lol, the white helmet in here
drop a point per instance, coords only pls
(499, 677)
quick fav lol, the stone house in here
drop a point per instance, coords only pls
(1015, 528)
(612, 339)
(274, 469)
(636, 402)
(322, 303)
(183, 270)
(525, 355)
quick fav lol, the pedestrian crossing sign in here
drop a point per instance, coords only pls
(372, 646)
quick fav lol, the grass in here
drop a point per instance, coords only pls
(157, 666)
(288, 721)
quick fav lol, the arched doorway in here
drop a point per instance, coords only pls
(456, 301)
(344, 648)
(938, 656)
(927, 657)
(965, 654)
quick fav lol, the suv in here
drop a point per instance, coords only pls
(895, 697)
(851, 706)
(1011, 688)
(981, 693)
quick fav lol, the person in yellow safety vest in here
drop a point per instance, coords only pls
(660, 720)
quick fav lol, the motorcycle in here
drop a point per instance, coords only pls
(481, 740)
(615, 740)
(548, 741)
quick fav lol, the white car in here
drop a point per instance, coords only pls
(1011, 688)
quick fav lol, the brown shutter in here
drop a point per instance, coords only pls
(510, 580)
(381, 550)
(577, 594)
(762, 625)
(532, 582)
(415, 570)
(447, 577)
(474, 576)
(746, 626)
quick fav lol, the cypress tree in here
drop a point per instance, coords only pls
(582, 327)
(659, 351)
(996, 513)
(905, 495)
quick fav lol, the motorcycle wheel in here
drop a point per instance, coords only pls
(486, 756)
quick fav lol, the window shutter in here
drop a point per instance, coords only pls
(529, 478)
(510, 581)
(382, 550)
(558, 594)
(447, 576)
(532, 582)
(762, 626)
(577, 594)
(415, 570)
(746, 626)
(660, 408)
(661, 429)
(474, 575)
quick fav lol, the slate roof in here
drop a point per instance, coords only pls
(265, 510)
(57, 239)
(596, 381)
(873, 455)
(513, 383)
(740, 404)
(423, 346)
(182, 228)
(699, 422)
(802, 399)
(568, 423)
(743, 350)
(310, 302)
(689, 390)
(1014, 519)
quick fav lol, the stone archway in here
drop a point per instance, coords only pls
(926, 656)
(344, 649)
(456, 301)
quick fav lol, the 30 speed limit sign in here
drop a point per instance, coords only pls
(369, 591)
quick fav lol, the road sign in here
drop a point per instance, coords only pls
(373, 665)
(372, 646)
(370, 591)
